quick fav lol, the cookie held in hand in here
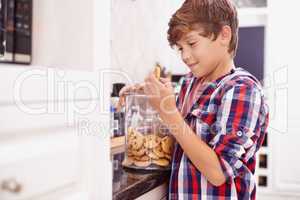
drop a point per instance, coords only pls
(157, 71)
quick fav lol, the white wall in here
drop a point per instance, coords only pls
(139, 36)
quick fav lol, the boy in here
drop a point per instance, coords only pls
(220, 118)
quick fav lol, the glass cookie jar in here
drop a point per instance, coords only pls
(149, 144)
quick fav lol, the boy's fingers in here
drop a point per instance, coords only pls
(125, 90)
(121, 103)
(131, 88)
(164, 80)
(139, 86)
(169, 85)
(148, 77)
(155, 81)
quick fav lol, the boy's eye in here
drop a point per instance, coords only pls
(192, 43)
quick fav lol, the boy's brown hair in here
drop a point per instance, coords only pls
(211, 15)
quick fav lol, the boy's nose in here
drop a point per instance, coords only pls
(186, 57)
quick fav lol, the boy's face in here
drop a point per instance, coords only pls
(201, 54)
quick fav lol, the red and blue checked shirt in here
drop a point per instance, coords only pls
(231, 116)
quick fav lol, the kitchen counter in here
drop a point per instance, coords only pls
(131, 184)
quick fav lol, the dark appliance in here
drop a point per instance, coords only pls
(16, 31)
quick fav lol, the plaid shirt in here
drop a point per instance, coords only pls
(230, 115)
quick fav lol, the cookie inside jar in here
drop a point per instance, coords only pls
(149, 144)
(148, 150)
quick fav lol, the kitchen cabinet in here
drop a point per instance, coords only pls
(39, 170)
(71, 34)
(63, 39)
(281, 86)
(54, 142)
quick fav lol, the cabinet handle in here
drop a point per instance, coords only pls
(12, 186)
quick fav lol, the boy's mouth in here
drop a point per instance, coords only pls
(191, 66)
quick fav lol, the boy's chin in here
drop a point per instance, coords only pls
(199, 73)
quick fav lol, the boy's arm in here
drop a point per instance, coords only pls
(237, 117)
(203, 157)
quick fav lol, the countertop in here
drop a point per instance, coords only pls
(130, 184)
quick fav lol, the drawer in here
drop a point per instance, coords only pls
(38, 175)
(50, 164)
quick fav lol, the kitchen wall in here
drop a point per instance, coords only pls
(139, 37)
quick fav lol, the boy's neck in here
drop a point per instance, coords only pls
(224, 67)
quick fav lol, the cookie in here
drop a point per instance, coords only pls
(127, 161)
(129, 152)
(159, 152)
(157, 71)
(142, 163)
(151, 141)
(139, 152)
(167, 144)
(136, 141)
(129, 131)
(153, 155)
(167, 156)
(161, 162)
(142, 158)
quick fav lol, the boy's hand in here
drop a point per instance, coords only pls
(128, 89)
(161, 95)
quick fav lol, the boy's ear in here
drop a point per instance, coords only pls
(225, 36)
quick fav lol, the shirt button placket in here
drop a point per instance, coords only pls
(240, 133)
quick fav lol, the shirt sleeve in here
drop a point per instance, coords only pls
(237, 118)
